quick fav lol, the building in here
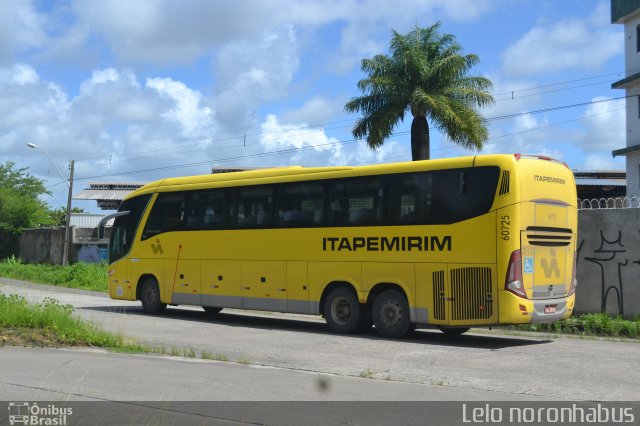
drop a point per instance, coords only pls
(627, 12)
(600, 184)
(109, 195)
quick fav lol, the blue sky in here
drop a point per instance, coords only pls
(146, 89)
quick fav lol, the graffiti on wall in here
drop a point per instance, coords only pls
(611, 257)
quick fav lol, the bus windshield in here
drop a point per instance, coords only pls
(124, 227)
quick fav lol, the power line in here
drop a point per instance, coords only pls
(157, 151)
(344, 142)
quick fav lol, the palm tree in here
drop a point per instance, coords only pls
(424, 73)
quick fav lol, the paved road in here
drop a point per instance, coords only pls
(426, 366)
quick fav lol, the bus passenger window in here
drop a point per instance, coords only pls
(467, 192)
(254, 207)
(301, 204)
(357, 202)
(167, 214)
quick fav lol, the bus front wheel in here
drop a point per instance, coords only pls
(150, 297)
(342, 311)
(391, 314)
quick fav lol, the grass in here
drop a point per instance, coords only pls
(367, 374)
(50, 324)
(86, 276)
(589, 325)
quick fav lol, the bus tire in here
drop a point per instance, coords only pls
(342, 311)
(150, 297)
(212, 310)
(454, 331)
(391, 314)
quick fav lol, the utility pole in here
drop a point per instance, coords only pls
(67, 229)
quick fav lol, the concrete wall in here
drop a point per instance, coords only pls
(44, 245)
(609, 262)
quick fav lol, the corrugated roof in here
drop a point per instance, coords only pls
(102, 194)
(600, 182)
(85, 220)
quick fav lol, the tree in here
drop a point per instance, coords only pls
(20, 207)
(59, 216)
(426, 74)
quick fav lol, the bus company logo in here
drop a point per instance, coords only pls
(549, 179)
(25, 413)
(417, 243)
(551, 268)
(157, 247)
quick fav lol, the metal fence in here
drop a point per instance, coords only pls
(609, 203)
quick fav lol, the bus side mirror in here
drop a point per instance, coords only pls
(106, 219)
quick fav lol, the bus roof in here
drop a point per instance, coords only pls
(292, 173)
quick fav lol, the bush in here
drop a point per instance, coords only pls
(55, 320)
(88, 276)
(590, 324)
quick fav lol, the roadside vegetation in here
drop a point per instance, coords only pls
(589, 325)
(49, 324)
(86, 276)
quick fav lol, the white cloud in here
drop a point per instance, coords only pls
(187, 111)
(528, 134)
(314, 111)
(21, 28)
(169, 32)
(599, 162)
(315, 148)
(252, 72)
(569, 44)
(604, 126)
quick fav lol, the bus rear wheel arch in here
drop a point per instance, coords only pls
(391, 314)
(150, 297)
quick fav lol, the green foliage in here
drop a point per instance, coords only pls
(58, 216)
(88, 276)
(55, 320)
(590, 325)
(426, 74)
(20, 207)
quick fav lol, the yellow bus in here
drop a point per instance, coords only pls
(450, 243)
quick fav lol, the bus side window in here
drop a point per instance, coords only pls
(467, 192)
(365, 201)
(167, 214)
(254, 207)
(301, 204)
(338, 204)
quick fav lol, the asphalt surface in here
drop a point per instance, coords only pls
(296, 358)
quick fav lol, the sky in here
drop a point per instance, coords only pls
(135, 91)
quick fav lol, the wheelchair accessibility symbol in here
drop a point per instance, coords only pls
(528, 265)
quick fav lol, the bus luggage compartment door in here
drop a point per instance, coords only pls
(546, 261)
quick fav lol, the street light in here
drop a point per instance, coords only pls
(65, 249)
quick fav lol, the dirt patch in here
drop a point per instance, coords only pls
(21, 336)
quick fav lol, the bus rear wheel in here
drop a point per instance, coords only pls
(454, 331)
(150, 297)
(212, 310)
(342, 311)
(391, 314)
